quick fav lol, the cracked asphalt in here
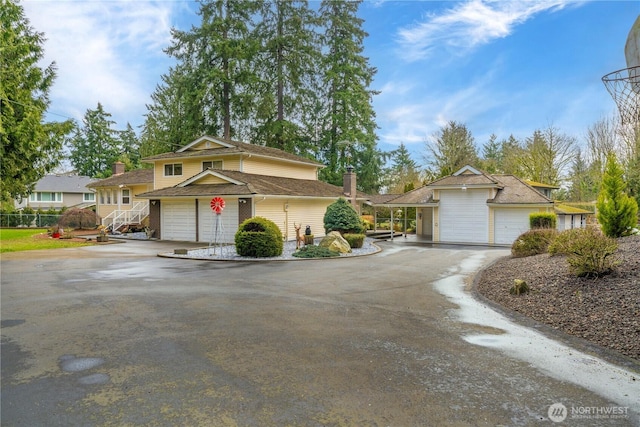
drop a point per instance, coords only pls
(115, 336)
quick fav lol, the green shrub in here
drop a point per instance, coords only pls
(542, 220)
(259, 238)
(561, 245)
(533, 242)
(342, 217)
(354, 240)
(589, 252)
(617, 212)
(315, 252)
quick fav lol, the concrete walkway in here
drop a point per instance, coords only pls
(114, 335)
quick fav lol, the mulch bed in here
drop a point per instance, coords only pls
(605, 311)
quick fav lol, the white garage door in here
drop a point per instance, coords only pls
(464, 216)
(509, 224)
(178, 220)
(227, 223)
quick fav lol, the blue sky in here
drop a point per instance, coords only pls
(503, 67)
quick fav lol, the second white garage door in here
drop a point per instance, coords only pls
(509, 224)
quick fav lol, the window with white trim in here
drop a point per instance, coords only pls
(88, 197)
(217, 164)
(45, 196)
(126, 196)
(173, 169)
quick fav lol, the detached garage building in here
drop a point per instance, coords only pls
(472, 206)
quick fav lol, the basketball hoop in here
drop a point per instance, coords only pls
(624, 87)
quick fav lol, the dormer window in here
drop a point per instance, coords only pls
(215, 164)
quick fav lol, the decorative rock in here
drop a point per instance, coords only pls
(180, 251)
(519, 287)
(335, 242)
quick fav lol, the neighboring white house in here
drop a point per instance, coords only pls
(472, 206)
(58, 191)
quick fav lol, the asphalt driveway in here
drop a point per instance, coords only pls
(113, 335)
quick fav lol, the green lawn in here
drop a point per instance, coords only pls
(14, 240)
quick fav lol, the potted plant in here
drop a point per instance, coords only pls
(102, 234)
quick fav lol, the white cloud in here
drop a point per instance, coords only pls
(469, 24)
(102, 51)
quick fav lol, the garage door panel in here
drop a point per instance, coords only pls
(178, 221)
(227, 222)
(464, 216)
(509, 224)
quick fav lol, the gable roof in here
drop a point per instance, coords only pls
(510, 189)
(229, 147)
(137, 176)
(466, 176)
(246, 184)
(515, 191)
(419, 196)
(64, 183)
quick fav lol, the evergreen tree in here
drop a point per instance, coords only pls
(29, 146)
(511, 154)
(491, 155)
(95, 145)
(583, 188)
(617, 212)
(348, 133)
(403, 174)
(287, 69)
(175, 117)
(128, 141)
(453, 148)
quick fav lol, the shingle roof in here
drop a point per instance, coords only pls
(138, 176)
(253, 184)
(516, 191)
(64, 183)
(418, 196)
(510, 190)
(237, 148)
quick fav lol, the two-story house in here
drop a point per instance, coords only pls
(58, 191)
(252, 180)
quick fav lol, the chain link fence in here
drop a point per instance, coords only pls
(28, 220)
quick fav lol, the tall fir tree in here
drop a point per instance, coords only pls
(95, 145)
(403, 174)
(348, 134)
(29, 146)
(287, 70)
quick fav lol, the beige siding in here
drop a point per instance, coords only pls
(287, 212)
(205, 145)
(262, 166)
(190, 168)
(104, 209)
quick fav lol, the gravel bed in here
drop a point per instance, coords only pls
(604, 311)
(228, 253)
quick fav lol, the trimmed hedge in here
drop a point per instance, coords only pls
(259, 238)
(542, 220)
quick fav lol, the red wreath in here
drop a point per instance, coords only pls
(217, 204)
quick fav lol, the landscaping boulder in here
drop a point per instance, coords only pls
(335, 242)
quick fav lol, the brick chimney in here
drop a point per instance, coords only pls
(349, 185)
(118, 168)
